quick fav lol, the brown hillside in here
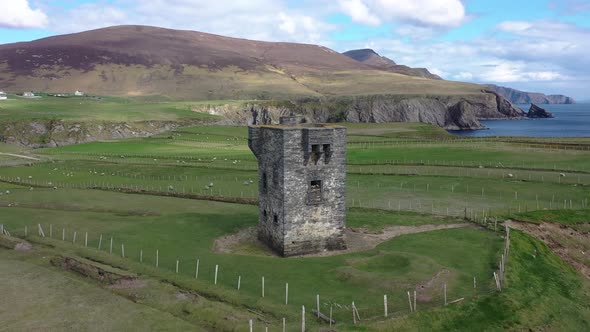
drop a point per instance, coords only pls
(141, 60)
(143, 45)
(370, 58)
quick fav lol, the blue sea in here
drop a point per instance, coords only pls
(570, 121)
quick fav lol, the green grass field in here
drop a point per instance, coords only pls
(398, 175)
(96, 109)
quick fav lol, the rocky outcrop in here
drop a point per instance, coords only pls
(536, 112)
(52, 133)
(522, 97)
(449, 112)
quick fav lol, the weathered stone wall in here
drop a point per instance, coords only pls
(295, 217)
(267, 144)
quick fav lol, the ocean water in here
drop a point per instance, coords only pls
(570, 121)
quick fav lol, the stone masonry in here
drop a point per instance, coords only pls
(301, 185)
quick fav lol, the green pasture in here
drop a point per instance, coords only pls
(37, 296)
(542, 293)
(398, 175)
(151, 223)
(433, 193)
(96, 109)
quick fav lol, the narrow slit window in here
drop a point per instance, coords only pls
(275, 219)
(264, 181)
(315, 153)
(327, 153)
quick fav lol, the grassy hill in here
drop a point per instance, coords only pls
(141, 60)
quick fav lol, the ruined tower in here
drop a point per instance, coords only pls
(301, 185)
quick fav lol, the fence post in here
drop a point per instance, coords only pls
(385, 304)
(216, 270)
(317, 301)
(303, 318)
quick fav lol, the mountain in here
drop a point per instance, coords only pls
(371, 58)
(522, 97)
(192, 65)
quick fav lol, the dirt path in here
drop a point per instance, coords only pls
(245, 242)
(572, 246)
(19, 156)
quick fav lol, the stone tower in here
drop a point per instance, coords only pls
(301, 185)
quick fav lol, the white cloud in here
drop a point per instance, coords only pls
(540, 56)
(287, 23)
(514, 26)
(19, 14)
(436, 13)
(416, 32)
(359, 12)
(516, 72)
(464, 76)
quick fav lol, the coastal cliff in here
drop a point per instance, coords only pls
(448, 112)
(522, 97)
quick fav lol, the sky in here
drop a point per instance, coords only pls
(532, 45)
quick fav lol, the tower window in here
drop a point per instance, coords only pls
(315, 191)
(264, 181)
(315, 153)
(264, 214)
(327, 153)
(275, 219)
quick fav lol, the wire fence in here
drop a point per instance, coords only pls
(322, 308)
